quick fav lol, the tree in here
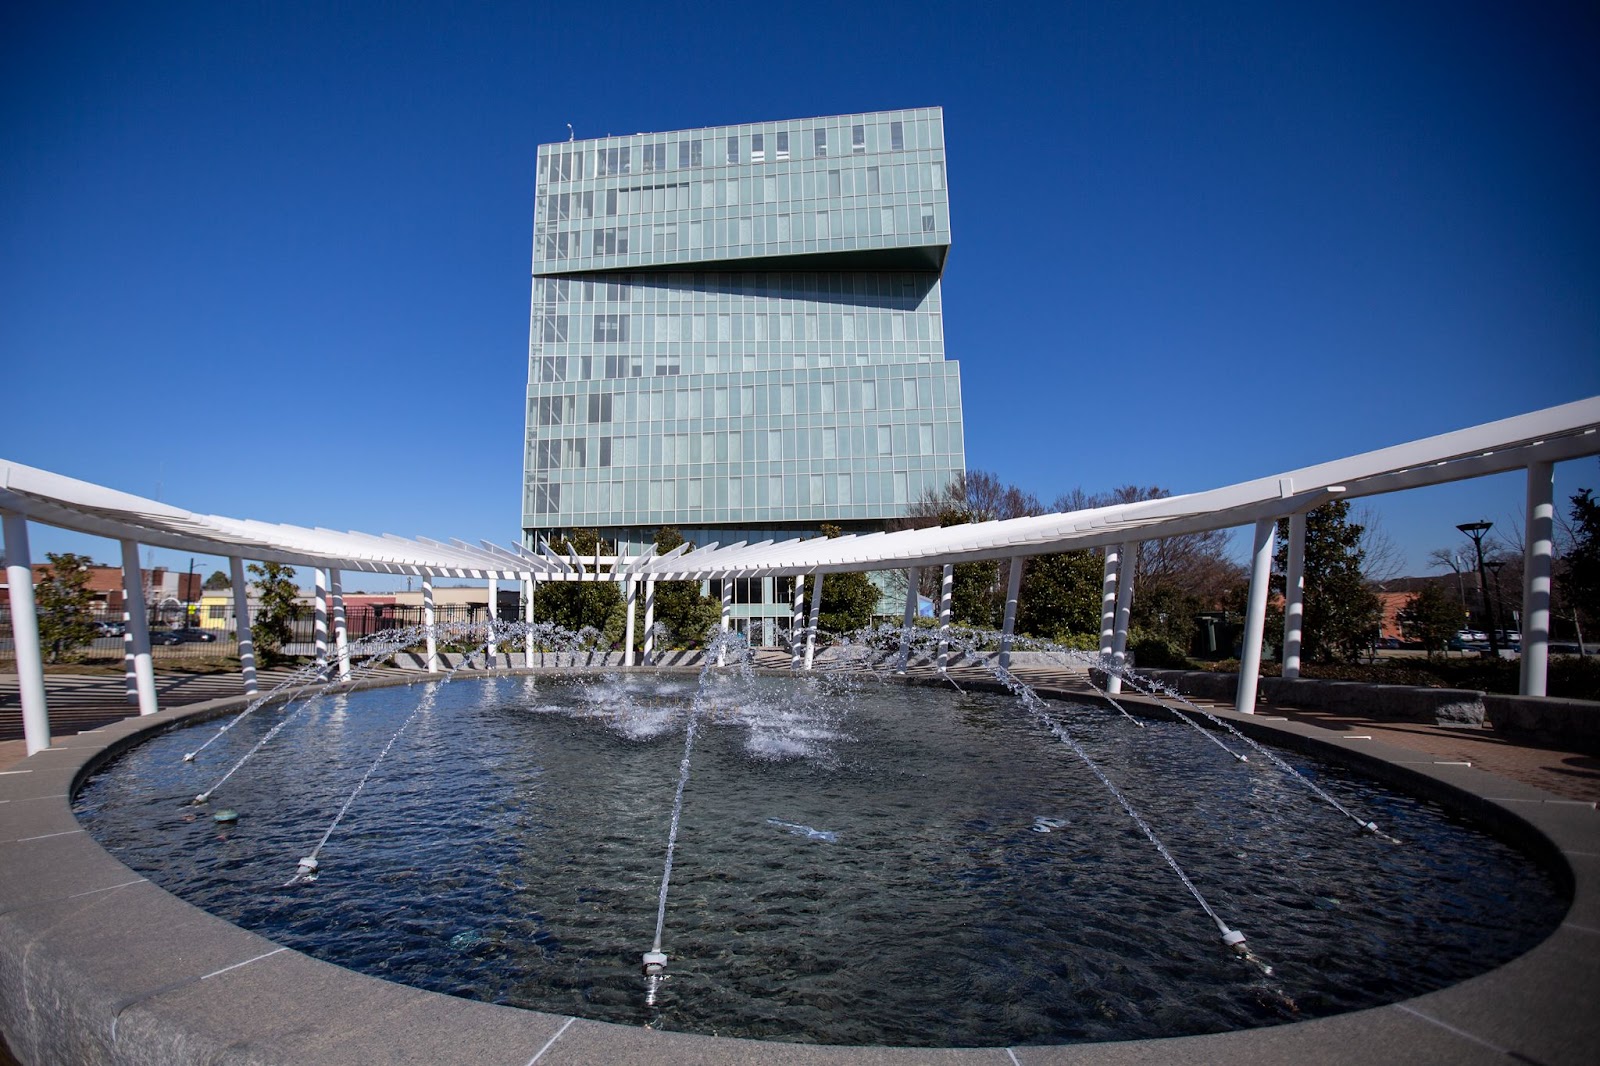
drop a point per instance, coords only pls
(64, 599)
(848, 599)
(1341, 614)
(680, 606)
(217, 580)
(576, 604)
(1431, 616)
(1060, 595)
(1580, 579)
(272, 628)
(1175, 579)
(977, 595)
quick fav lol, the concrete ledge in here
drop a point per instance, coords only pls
(1571, 723)
(97, 965)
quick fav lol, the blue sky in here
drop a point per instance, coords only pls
(271, 260)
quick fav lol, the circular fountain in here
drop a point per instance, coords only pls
(855, 862)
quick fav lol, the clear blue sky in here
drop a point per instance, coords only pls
(271, 260)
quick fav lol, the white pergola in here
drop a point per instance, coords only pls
(1531, 442)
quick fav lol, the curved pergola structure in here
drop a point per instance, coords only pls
(1533, 442)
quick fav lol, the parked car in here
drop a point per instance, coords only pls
(110, 629)
(1388, 642)
(183, 636)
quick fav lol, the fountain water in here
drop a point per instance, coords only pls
(834, 830)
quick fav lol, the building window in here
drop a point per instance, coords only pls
(546, 498)
(758, 148)
(858, 138)
(655, 156)
(733, 149)
(783, 146)
(897, 136)
(615, 161)
(611, 329)
(688, 154)
(600, 407)
(820, 140)
(611, 241)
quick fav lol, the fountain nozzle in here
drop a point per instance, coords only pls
(654, 962)
(202, 797)
(1235, 940)
(308, 865)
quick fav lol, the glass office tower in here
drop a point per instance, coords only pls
(737, 331)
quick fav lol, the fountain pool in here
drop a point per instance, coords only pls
(857, 863)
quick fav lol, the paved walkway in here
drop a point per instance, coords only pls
(88, 701)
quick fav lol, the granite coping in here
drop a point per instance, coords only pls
(98, 965)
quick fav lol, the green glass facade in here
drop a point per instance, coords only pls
(740, 328)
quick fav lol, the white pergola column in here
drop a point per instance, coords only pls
(25, 634)
(341, 636)
(727, 617)
(913, 576)
(241, 624)
(627, 640)
(136, 630)
(1127, 556)
(1255, 614)
(797, 619)
(947, 584)
(1108, 600)
(816, 613)
(1536, 559)
(1294, 595)
(432, 641)
(649, 620)
(530, 585)
(491, 646)
(1009, 624)
(319, 605)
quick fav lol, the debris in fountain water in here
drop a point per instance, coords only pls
(795, 828)
(468, 940)
(1042, 824)
(225, 817)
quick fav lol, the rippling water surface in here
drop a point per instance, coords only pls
(885, 865)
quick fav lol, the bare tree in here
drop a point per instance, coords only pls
(1381, 559)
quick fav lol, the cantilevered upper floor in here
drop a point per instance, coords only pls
(859, 192)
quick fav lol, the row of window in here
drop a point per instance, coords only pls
(841, 326)
(601, 503)
(832, 184)
(695, 149)
(748, 401)
(663, 240)
(698, 361)
(694, 449)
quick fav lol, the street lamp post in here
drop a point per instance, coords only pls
(188, 591)
(1499, 604)
(1476, 530)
